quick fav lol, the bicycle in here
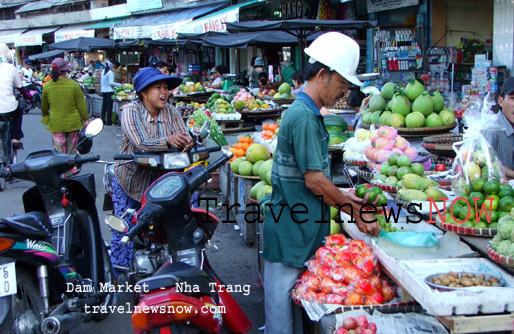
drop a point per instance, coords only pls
(89, 101)
(7, 149)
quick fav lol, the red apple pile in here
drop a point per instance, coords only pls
(357, 325)
(343, 272)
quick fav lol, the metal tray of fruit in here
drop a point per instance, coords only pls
(354, 162)
(499, 258)
(385, 187)
(420, 132)
(456, 278)
(466, 230)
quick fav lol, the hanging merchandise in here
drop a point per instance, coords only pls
(476, 161)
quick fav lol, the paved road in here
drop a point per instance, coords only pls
(235, 263)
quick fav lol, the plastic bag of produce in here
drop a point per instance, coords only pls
(476, 159)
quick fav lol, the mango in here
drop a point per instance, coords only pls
(409, 195)
(413, 181)
(435, 193)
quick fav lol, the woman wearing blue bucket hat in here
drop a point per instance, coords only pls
(149, 124)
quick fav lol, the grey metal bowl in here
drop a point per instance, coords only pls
(501, 281)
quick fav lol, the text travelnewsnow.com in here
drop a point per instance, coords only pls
(253, 211)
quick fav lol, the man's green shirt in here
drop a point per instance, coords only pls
(292, 238)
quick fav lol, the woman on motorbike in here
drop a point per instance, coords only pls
(9, 79)
(149, 124)
(64, 97)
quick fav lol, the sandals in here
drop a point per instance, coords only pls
(17, 145)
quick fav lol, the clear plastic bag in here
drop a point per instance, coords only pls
(475, 157)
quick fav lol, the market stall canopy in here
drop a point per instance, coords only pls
(84, 44)
(45, 4)
(47, 55)
(9, 36)
(33, 36)
(172, 42)
(199, 36)
(72, 32)
(300, 28)
(216, 21)
(161, 26)
(258, 38)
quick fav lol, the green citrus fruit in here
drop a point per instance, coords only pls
(478, 184)
(491, 187)
(360, 191)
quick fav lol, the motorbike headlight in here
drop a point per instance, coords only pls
(175, 161)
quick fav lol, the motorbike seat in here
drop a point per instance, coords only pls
(175, 273)
(34, 224)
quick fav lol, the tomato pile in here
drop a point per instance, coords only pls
(343, 272)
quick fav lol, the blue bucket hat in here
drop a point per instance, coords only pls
(149, 75)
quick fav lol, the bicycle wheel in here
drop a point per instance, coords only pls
(89, 104)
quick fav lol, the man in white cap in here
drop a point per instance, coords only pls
(302, 190)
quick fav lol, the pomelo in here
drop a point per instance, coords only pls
(245, 168)
(447, 116)
(423, 104)
(396, 121)
(387, 90)
(265, 167)
(415, 120)
(234, 166)
(256, 167)
(433, 120)
(284, 88)
(257, 152)
(255, 189)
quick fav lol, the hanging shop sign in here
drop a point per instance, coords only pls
(139, 5)
(289, 10)
(212, 23)
(30, 40)
(168, 30)
(380, 5)
(132, 32)
(67, 34)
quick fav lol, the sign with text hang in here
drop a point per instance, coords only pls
(139, 5)
(212, 23)
(28, 40)
(168, 30)
(380, 5)
(66, 35)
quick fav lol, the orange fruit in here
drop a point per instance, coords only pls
(245, 146)
(265, 126)
(273, 127)
(240, 153)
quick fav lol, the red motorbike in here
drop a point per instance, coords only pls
(184, 295)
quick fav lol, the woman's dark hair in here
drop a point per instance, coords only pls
(298, 76)
(107, 68)
(355, 98)
(222, 69)
(313, 68)
(55, 75)
(159, 64)
(252, 61)
(263, 78)
(116, 63)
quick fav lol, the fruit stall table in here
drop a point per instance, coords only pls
(407, 267)
(118, 104)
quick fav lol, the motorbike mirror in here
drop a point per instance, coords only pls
(116, 223)
(203, 132)
(94, 127)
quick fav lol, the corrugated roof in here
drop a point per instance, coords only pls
(45, 4)
(175, 16)
(11, 4)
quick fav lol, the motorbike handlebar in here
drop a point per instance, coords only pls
(123, 157)
(142, 222)
(219, 162)
(86, 158)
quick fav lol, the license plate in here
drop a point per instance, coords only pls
(7, 279)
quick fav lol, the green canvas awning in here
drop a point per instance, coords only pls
(104, 24)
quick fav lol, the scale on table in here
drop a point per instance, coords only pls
(228, 81)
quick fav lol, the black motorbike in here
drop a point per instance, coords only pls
(54, 264)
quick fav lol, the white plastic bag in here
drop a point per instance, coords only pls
(475, 156)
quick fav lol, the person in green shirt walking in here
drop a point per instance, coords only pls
(64, 108)
(302, 189)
